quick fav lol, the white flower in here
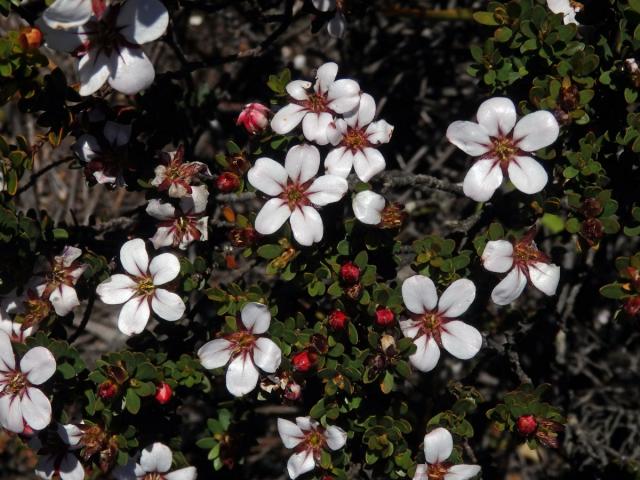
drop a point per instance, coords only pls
(309, 439)
(296, 193)
(109, 44)
(21, 403)
(525, 263)
(59, 280)
(154, 463)
(316, 107)
(368, 207)
(10, 305)
(139, 289)
(432, 325)
(63, 464)
(180, 226)
(105, 161)
(568, 8)
(246, 349)
(438, 446)
(174, 175)
(503, 147)
(338, 24)
(356, 137)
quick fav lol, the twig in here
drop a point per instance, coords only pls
(34, 176)
(85, 319)
(394, 179)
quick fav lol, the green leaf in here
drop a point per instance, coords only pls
(485, 18)
(132, 402)
(269, 252)
(613, 290)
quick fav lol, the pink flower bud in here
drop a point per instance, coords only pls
(254, 118)
(337, 319)
(163, 393)
(350, 273)
(527, 424)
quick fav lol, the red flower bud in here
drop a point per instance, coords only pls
(337, 320)
(163, 393)
(254, 118)
(227, 182)
(30, 38)
(107, 390)
(527, 424)
(632, 306)
(384, 316)
(349, 273)
(303, 361)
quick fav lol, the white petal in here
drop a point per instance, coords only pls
(134, 316)
(69, 255)
(256, 317)
(117, 134)
(339, 162)
(38, 364)
(421, 472)
(536, 130)
(363, 115)
(93, 70)
(187, 473)
(131, 70)
(469, 137)
(509, 288)
(156, 457)
(367, 163)
(160, 210)
(410, 328)
(7, 357)
(164, 268)
(559, 6)
(315, 127)
(545, 277)
(46, 467)
(498, 256)
(419, 294)
(368, 206)
(298, 89)
(427, 354)
(64, 14)
(272, 216)
(290, 433)
(70, 434)
(134, 258)
(142, 21)
(438, 445)
(71, 468)
(306, 225)
(461, 340)
(497, 116)
(302, 162)
(482, 180)
(36, 409)
(379, 132)
(327, 189)
(300, 463)
(64, 299)
(324, 6)
(337, 25)
(326, 76)
(87, 147)
(527, 175)
(67, 40)
(267, 355)
(167, 305)
(215, 353)
(268, 176)
(242, 376)
(116, 289)
(335, 437)
(455, 300)
(287, 118)
(462, 472)
(11, 413)
(343, 95)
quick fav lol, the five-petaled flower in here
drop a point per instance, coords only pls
(525, 263)
(22, 405)
(432, 324)
(246, 349)
(309, 439)
(62, 462)
(154, 464)
(355, 137)
(568, 9)
(317, 107)
(503, 147)
(105, 159)
(296, 193)
(139, 291)
(174, 175)
(109, 43)
(180, 226)
(59, 281)
(438, 446)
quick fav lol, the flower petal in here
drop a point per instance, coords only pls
(66, 40)
(36, 409)
(316, 126)
(268, 176)
(327, 189)
(335, 437)
(462, 472)
(536, 130)
(324, 6)
(302, 162)
(167, 305)
(256, 317)
(337, 25)
(65, 14)
(455, 300)
(422, 470)
(438, 445)
(70, 434)
(306, 225)
(215, 353)
(527, 175)
(363, 115)
(343, 96)
(142, 21)
(367, 163)
(164, 268)
(134, 258)
(509, 288)
(134, 316)
(497, 116)
(469, 137)
(117, 134)
(482, 180)
(290, 433)
(87, 147)
(160, 210)
(116, 289)
(157, 457)
(325, 76)
(368, 206)
(187, 473)
(272, 216)
(71, 468)
(7, 357)
(427, 355)
(300, 463)
(267, 355)
(131, 70)
(93, 70)
(419, 294)
(297, 89)
(288, 118)
(11, 413)
(461, 340)
(545, 277)
(242, 376)
(498, 256)
(64, 299)
(38, 364)
(339, 162)
(379, 132)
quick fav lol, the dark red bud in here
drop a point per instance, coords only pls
(337, 320)
(163, 393)
(349, 273)
(632, 306)
(527, 424)
(384, 317)
(107, 390)
(227, 182)
(303, 361)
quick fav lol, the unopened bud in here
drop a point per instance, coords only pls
(337, 320)
(527, 424)
(107, 390)
(384, 316)
(388, 344)
(254, 118)
(163, 393)
(30, 38)
(349, 273)
(227, 182)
